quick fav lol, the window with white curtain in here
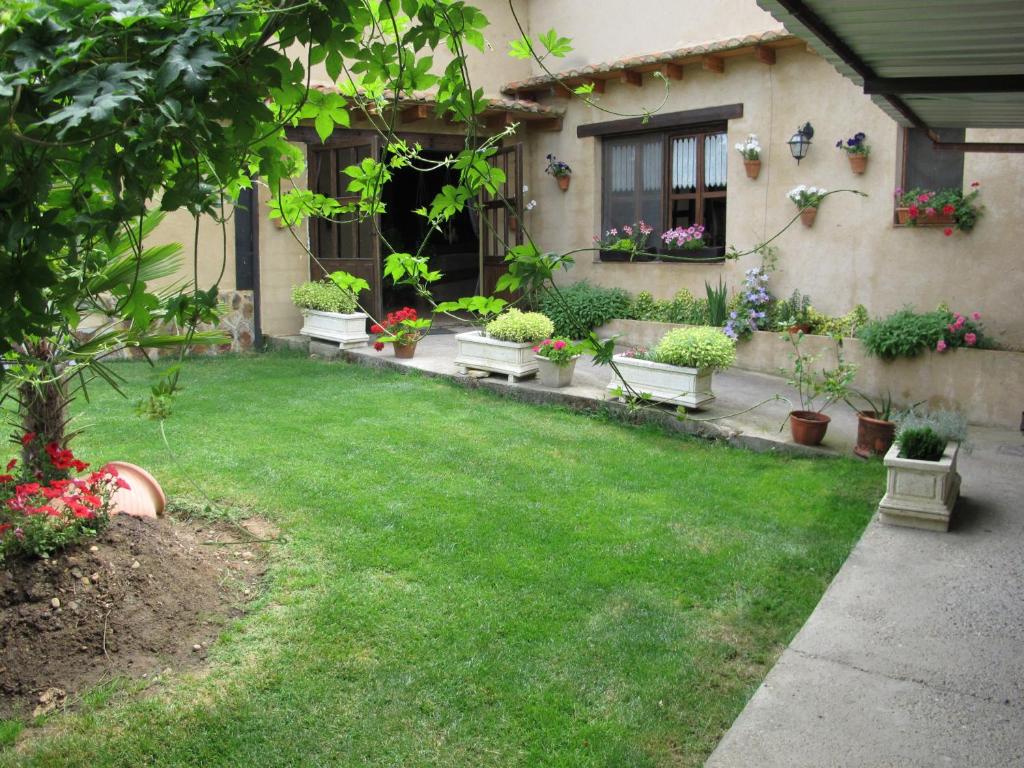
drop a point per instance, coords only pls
(667, 179)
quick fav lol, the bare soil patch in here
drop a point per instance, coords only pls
(145, 596)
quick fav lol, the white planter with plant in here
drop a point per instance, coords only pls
(556, 361)
(505, 346)
(923, 484)
(330, 313)
(678, 370)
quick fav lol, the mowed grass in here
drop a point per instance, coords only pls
(465, 580)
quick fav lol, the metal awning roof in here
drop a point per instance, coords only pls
(927, 63)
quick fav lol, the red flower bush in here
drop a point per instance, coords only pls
(402, 327)
(42, 514)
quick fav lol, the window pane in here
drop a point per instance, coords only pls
(649, 204)
(931, 168)
(716, 156)
(684, 213)
(714, 221)
(632, 182)
(684, 164)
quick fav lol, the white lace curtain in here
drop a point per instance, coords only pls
(623, 166)
(684, 162)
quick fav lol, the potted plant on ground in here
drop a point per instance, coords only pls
(817, 390)
(679, 368)
(807, 199)
(946, 209)
(857, 151)
(923, 485)
(751, 152)
(626, 243)
(402, 329)
(505, 346)
(329, 312)
(556, 361)
(560, 170)
(875, 427)
(687, 244)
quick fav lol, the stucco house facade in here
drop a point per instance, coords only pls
(710, 73)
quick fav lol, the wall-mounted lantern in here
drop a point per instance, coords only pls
(800, 142)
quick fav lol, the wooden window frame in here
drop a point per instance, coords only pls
(668, 197)
(902, 150)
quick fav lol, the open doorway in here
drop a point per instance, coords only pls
(455, 251)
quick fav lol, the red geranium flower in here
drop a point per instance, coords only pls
(947, 231)
(6, 478)
(376, 329)
(948, 209)
(913, 211)
(12, 464)
(28, 437)
(378, 345)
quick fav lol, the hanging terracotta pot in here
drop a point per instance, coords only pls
(142, 498)
(858, 163)
(807, 216)
(404, 351)
(753, 168)
(808, 427)
(563, 182)
(513, 223)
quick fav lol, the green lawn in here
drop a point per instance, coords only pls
(466, 580)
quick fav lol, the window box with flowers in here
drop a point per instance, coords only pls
(687, 244)
(505, 346)
(946, 209)
(626, 243)
(330, 313)
(678, 370)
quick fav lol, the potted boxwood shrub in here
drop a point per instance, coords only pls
(679, 368)
(556, 361)
(817, 390)
(923, 485)
(330, 312)
(505, 345)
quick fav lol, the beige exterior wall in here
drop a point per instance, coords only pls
(615, 29)
(214, 254)
(853, 254)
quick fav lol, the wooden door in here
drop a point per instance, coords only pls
(497, 231)
(345, 243)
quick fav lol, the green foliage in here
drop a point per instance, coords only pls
(324, 297)
(796, 310)
(905, 333)
(682, 308)
(951, 201)
(559, 351)
(921, 443)
(579, 308)
(846, 326)
(950, 426)
(700, 347)
(521, 327)
(718, 303)
(829, 384)
(481, 306)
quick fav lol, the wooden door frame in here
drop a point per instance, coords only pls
(492, 207)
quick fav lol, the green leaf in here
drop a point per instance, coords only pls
(556, 46)
(520, 49)
(349, 282)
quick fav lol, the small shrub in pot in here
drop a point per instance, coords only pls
(521, 327)
(700, 347)
(324, 297)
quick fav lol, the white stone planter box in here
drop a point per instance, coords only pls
(482, 353)
(555, 376)
(689, 387)
(348, 330)
(920, 494)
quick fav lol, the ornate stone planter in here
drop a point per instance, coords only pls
(348, 330)
(920, 494)
(689, 387)
(478, 352)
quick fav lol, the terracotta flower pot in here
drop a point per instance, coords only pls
(858, 163)
(807, 216)
(753, 168)
(808, 427)
(143, 497)
(563, 182)
(804, 328)
(939, 220)
(874, 435)
(513, 224)
(405, 351)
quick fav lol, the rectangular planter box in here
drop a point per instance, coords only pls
(348, 330)
(939, 220)
(689, 387)
(481, 353)
(920, 494)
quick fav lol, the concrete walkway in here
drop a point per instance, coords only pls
(915, 655)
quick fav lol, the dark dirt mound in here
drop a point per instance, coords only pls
(143, 596)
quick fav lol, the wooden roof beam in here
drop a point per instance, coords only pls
(415, 113)
(671, 71)
(631, 77)
(764, 54)
(714, 64)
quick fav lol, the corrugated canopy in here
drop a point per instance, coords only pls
(927, 63)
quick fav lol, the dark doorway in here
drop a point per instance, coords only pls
(454, 251)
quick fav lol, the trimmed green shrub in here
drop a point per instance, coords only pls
(700, 347)
(684, 307)
(845, 326)
(948, 425)
(922, 443)
(905, 333)
(579, 308)
(324, 297)
(521, 327)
